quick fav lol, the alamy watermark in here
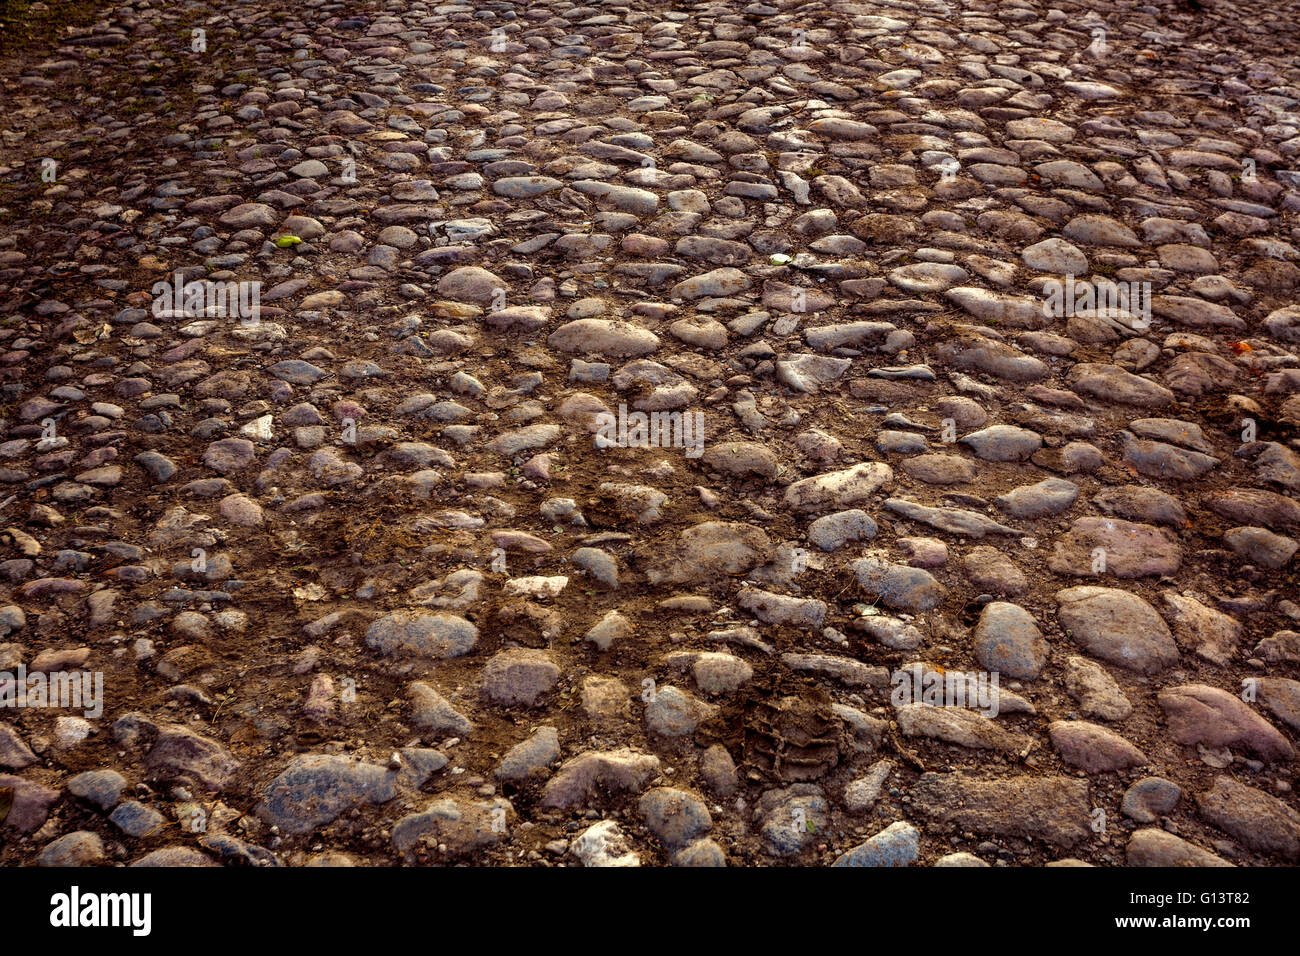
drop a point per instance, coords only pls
(203, 299)
(652, 430)
(1107, 299)
(60, 690)
(934, 688)
(75, 909)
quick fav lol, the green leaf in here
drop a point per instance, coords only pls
(284, 242)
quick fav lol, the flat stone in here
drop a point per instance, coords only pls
(603, 845)
(31, 803)
(675, 713)
(1210, 634)
(952, 520)
(1050, 496)
(838, 490)
(861, 794)
(582, 777)
(792, 819)
(742, 459)
(939, 469)
(959, 726)
(845, 670)
(318, 788)
(1159, 460)
(1055, 810)
(135, 819)
(519, 676)
(609, 337)
(1095, 547)
(676, 817)
(1151, 798)
(229, 455)
(473, 284)
(100, 787)
(990, 570)
(1110, 383)
(1138, 503)
(709, 549)
(1256, 507)
(432, 711)
(82, 848)
(899, 586)
(831, 532)
(422, 633)
(1281, 697)
(1007, 640)
(1254, 818)
(1117, 627)
(1092, 748)
(1003, 443)
(457, 826)
(1199, 714)
(179, 754)
(1155, 847)
(1261, 547)
(1056, 256)
(523, 187)
(14, 753)
(1097, 693)
(899, 844)
(250, 215)
(719, 282)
